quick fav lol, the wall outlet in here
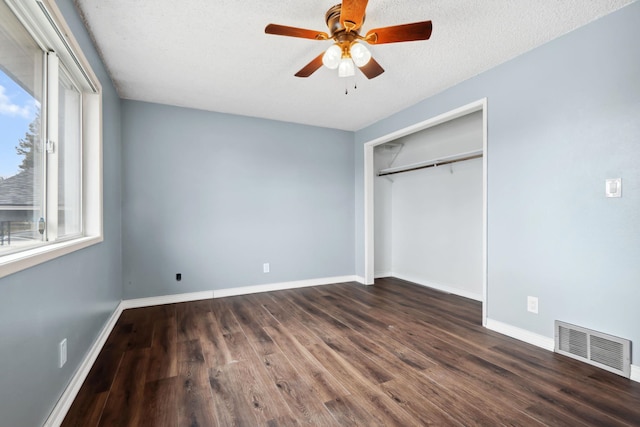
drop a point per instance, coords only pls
(178, 277)
(265, 267)
(532, 305)
(62, 353)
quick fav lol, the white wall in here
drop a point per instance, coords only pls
(383, 215)
(455, 136)
(437, 228)
(428, 223)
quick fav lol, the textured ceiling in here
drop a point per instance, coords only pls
(214, 55)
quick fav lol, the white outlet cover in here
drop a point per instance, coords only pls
(532, 305)
(265, 267)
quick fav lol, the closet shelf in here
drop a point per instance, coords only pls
(476, 154)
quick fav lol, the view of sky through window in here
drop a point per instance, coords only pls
(17, 110)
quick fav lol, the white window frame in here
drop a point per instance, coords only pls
(45, 22)
(55, 158)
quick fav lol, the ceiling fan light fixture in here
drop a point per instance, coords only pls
(360, 54)
(346, 68)
(331, 58)
(344, 22)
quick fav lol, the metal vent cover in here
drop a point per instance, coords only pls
(595, 348)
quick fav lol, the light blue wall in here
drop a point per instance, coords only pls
(70, 297)
(561, 119)
(214, 196)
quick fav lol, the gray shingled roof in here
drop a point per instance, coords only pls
(17, 190)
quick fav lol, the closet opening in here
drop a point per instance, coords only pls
(426, 203)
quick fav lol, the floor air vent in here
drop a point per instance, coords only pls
(598, 349)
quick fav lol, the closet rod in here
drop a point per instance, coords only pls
(432, 163)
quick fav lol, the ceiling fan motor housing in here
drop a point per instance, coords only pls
(332, 18)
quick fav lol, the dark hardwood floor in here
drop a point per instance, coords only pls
(338, 355)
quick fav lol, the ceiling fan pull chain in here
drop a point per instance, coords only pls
(346, 86)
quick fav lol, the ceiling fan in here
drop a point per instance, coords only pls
(345, 21)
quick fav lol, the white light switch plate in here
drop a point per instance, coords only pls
(62, 350)
(613, 187)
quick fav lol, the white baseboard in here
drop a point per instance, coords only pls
(439, 286)
(521, 334)
(381, 274)
(166, 299)
(359, 279)
(230, 292)
(68, 396)
(269, 287)
(635, 373)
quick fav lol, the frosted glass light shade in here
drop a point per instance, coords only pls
(360, 54)
(331, 58)
(346, 68)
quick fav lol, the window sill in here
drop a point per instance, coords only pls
(13, 263)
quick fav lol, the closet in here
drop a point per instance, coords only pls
(428, 207)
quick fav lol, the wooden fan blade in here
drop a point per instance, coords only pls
(400, 33)
(371, 69)
(283, 30)
(352, 13)
(311, 67)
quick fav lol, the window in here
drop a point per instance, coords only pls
(21, 157)
(50, 138)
